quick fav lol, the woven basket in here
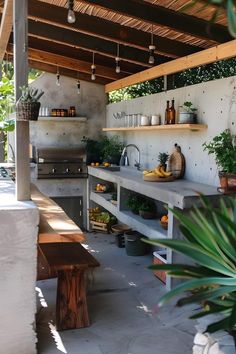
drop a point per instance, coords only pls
(27, 110)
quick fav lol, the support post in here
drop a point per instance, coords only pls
(20, 26)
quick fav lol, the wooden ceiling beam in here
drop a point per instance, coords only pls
(56, 48)
(6, 26)
(221, 52)
(69, 63)
(94, 44)
(108, 30)
(159, 15)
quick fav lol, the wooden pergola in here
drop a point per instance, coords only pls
(183, 39)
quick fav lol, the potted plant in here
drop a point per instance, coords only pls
(28, 105)
(163, 158)
(223, 147)
(187, 113)
(209, 241)
(111, 149)
(133, 202)
(93, 150)
(147, 209)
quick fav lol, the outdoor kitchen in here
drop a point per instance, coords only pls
(117, 178)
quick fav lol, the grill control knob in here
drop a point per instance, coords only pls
(54, 170)
(79, 169)
(67, 170)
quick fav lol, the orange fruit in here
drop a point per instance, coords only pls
(97, 164)
(164, 218)
(106, 164)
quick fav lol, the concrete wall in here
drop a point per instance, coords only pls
(216, 103)
(18, 256)
(90, 103)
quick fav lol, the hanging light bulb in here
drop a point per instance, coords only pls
(58, 78)
(117, 59)
(151, 48)
(71, 14)
(93, 70)
(78, 87)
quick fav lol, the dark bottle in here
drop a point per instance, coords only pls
(172, 113)
(167, 112)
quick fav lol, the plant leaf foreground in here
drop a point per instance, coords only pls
(210, 242)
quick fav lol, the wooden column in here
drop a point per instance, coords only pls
(20, 27)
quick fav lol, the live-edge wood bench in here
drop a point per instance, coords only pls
(61, 255)
(70, 261)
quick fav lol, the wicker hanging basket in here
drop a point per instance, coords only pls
(27, 110)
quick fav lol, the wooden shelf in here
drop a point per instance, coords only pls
(173, 127)
(63, 119)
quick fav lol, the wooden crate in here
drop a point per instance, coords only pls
(99, 226)
(159, 257)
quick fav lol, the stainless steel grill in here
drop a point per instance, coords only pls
(61, 163)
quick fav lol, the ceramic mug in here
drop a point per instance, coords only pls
(145, 120)
(155, 119)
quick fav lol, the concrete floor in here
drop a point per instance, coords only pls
(124, 317)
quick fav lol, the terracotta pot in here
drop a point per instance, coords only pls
(227, 182)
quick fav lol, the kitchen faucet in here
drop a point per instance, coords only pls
(124, 161)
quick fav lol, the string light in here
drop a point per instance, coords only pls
(151, 48)
(58, 77)
(93, 69)
(117, 59)
(71, 14)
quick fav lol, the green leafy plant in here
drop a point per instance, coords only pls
(148, 205)
(30, 94)
(188, 107)
(210, 242)
(111, 146)
(163, 158)
(133, 202)
(223, 148)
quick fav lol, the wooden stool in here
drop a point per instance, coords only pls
(70, 261)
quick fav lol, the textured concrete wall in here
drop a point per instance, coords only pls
(91, 103)
(18, 239)
(216, 103)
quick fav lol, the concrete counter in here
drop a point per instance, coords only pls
(179, 193)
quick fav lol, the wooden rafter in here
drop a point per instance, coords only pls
(6, 26)
(84, 41)
(207, 56)
(159, 15)
(105, 29)
(69, 63)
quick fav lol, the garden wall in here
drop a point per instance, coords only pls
(216, 103)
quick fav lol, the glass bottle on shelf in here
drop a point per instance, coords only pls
(167, 112)
(172, 113)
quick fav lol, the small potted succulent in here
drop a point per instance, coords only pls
(28, 105)
(187, 113)
(147, 209)
(223, 147)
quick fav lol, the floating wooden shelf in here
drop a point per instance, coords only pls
(173, 127)
(63, 119)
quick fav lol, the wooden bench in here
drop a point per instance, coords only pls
(61, 255)
(70, 261)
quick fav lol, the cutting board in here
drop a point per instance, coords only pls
(177, 162)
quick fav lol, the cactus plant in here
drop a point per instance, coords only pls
(30, 94)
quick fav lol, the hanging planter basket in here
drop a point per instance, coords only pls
(26, 111)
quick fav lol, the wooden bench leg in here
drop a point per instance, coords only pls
(71, 307)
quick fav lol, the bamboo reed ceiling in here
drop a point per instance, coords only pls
(100, 25)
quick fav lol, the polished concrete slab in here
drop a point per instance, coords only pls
(122, 298)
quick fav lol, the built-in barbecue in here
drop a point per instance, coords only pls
(61, 163)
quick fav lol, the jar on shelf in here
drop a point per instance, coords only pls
(72, 111)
